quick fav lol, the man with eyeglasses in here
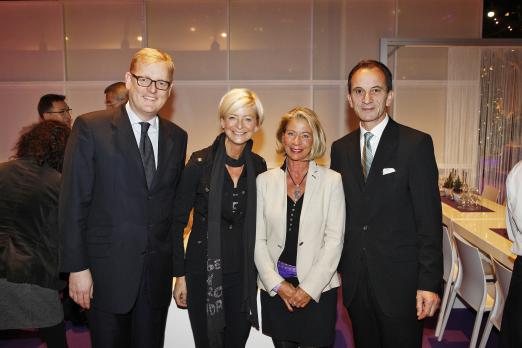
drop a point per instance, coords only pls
(121, 171)
(53, 107)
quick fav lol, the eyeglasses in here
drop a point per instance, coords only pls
(146, 82)
(62, 112)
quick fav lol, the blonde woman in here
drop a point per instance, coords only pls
(216, 278)
(299, 237)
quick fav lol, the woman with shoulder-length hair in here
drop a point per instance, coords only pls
(299, 238)
(217, 277)
(29, 237)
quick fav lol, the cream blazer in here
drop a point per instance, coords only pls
(321, 229)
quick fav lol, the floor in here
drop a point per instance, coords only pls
(456, 336)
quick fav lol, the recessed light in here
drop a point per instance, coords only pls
(139, 38)
(223, 34)
(192, 29)
(491, 14)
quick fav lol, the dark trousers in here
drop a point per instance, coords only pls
(374, 329)
(143, 326)
(237, 326)
(54, 336)
(288, 344)
(511, 329)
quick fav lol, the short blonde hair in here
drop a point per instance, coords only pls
(151, 55)
(318, 135)
(238, 98)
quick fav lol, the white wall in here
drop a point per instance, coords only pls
(292, 52)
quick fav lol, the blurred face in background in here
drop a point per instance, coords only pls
(60, 111)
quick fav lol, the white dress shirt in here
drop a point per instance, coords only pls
(514, 207)
(153, 131)
(377, 134)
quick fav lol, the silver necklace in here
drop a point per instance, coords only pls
(297, 189)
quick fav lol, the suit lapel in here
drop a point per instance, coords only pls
(165, 145)
(354, 157)
(126, 143)
(311, 186)
(386, 148)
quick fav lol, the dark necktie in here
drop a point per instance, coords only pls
(147, 153)
(367, 156)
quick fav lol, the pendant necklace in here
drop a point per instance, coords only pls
(297, 189)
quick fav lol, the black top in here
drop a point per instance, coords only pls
(293, 216)
(29, 238)
(233, 208)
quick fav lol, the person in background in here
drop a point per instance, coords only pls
(511, 333)
(392, 257)
(54, 107)
(116, 95)
(29, 236)
(299, 237)
(217, 277)
(120, 177)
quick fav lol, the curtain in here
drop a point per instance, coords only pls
(500, 127)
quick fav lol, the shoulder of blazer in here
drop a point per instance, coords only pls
(410, 135)
(173, 128)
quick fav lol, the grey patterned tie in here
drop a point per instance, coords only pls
(147, 153)
(367, 156)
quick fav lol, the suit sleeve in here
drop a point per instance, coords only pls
(78, 177)
(183, 204)
(427, 209)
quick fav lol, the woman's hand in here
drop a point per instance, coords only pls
(300, 298)
(286, 291)
(180, 292)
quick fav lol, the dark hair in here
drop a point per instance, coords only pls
(46, 102)
(371, 64)
(44, 142)
(114, 87)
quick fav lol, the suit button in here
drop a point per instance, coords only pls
(149, 197)
(203, 218)
(365, 228)
(149, 226)
(301, 243)
(230, 227)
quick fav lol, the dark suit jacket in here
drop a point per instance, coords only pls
(392, 220)
(111, 222)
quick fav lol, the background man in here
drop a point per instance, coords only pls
(54, 107)
(120, 176)
(115, 95)
(392, 258)
(511, 335)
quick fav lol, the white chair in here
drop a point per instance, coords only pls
(490, 192)
(471, 286)
(451, 269)
(503, 276)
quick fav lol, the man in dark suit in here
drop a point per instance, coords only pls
(120, 175)
(391, 265)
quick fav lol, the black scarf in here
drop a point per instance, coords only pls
(215, 304)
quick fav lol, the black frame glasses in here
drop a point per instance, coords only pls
(143, 81)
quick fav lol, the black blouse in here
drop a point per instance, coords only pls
(293, 216)
(233, 206)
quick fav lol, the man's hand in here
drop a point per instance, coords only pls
(286, 291)
(180, 292)
(427, 304)
(300, 298)
(80, 288)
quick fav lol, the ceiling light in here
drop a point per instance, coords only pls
(223, 34)
(192, 29)
(491, 14)
(506, 14)
(139, 38)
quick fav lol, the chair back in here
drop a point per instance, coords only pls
(449, 252)
(503, 275)
(473, 286)
(490, 192)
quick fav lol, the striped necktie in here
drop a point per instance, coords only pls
(367, 155)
